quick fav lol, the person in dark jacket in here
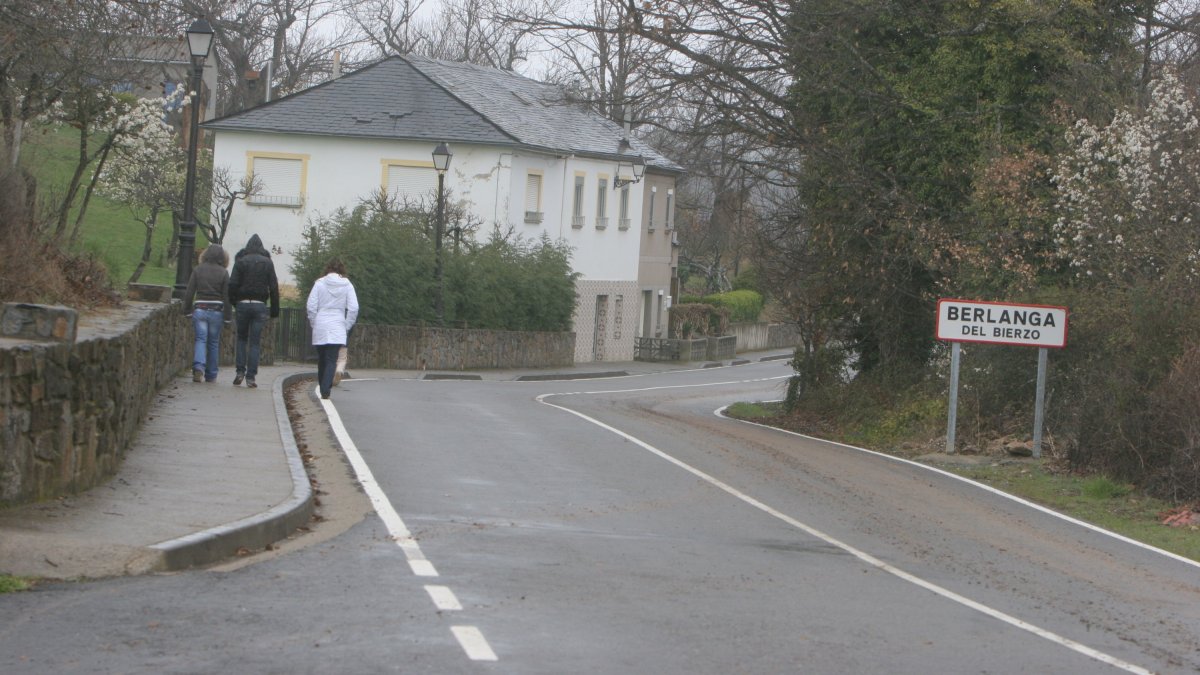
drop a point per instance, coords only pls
(251, 287)
(206, 300)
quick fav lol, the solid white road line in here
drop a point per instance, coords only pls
(443, 598)
(861, 555)
(395, 525)
(720, 412)
(473, 643)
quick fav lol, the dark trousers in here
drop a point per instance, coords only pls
(326, 367)
(251, 317)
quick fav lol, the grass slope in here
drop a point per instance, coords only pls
(109, 230)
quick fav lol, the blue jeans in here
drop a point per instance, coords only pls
(207, 323)
(251, 317)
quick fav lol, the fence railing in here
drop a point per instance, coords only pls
(293, 336)
(655, 349)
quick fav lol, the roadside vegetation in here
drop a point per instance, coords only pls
(915, 430)
(11, 584)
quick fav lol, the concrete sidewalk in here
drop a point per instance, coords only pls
(214, 469)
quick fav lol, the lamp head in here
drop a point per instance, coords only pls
(441, 157)
(200, 39)
(629, 171)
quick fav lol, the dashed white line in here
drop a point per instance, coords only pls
(473, 643)
(443, 598)
(469, 638)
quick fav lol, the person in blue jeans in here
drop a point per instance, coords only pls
(252, 285)
(206, 300)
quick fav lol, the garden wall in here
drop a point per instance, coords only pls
(70, 411)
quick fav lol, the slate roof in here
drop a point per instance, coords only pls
(418, 98)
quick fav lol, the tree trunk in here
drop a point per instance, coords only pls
(147, 245)
(91, 188)
(64, 211)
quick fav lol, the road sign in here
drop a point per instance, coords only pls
(1001, 323)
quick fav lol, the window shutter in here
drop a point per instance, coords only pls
(280, 181)
(411, 184)
(533, 193)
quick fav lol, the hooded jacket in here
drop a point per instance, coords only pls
(254, 277)
(209, 282)
(332, 309)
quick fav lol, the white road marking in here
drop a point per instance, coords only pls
(861, 555)
(473, 643)
(443, 598)
(469, 638)
(720, 412)
(395, 525)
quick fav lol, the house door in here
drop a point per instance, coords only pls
(601, 328)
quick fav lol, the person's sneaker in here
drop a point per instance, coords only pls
(250, 384)
(238, 379)
(197, 375)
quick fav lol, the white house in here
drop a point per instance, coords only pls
(524, 155)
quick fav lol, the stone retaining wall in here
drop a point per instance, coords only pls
(421, 348)
(69, 412)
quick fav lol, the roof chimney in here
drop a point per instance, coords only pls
(337, 65)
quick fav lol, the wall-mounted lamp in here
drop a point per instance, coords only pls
(629, 171)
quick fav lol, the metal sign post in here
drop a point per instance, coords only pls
(955, 353)
(1004, 324)
(1038, 412)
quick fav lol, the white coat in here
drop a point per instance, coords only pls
(332, 309)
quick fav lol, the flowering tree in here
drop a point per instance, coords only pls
(1127, 193)
(146, 168)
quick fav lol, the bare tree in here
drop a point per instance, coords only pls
(386, 26)
(292, 41)
(226, 193)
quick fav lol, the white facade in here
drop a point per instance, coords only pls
(312, 176)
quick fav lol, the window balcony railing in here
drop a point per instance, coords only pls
(534, 217)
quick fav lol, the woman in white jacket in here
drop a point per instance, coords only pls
(332, 311)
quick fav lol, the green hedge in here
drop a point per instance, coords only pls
(743, 305)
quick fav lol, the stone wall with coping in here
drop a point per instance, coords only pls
(70, 411)
(421, 348)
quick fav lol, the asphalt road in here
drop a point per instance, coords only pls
(620, 525)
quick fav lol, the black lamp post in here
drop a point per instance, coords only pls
(441, 162)
(200, 38)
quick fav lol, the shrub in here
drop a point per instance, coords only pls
(507, 283)
(698, 320)
(36, 269)
(742, 305)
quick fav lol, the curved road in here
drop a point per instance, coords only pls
(620, 525)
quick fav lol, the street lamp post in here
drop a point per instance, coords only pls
(200, 38)
(441, 162)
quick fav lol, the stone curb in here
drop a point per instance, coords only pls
(257, 531)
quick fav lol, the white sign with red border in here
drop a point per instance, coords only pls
(1001, 323)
